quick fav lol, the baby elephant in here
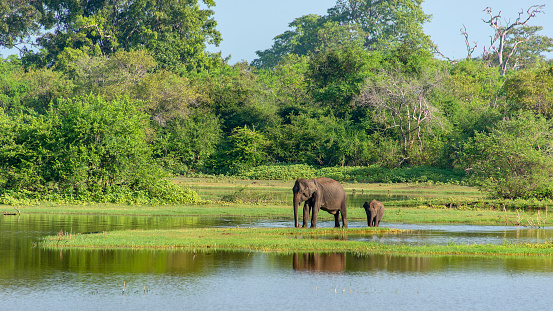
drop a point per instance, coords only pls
(375, 211)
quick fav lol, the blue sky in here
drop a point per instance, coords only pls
(250, 25)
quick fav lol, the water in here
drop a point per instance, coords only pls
(32, 278)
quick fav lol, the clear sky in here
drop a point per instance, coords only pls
(250, 25)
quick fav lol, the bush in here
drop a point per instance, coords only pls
(371, 174)
(513, 160)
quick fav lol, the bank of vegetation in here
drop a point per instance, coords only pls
(105, 104)
(282, 241)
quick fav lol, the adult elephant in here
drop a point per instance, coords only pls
(319, 193)
(375, 212)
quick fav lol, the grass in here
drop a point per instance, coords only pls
(281, 240)
(423, 203)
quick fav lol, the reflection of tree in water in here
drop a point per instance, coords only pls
(396, 263)
(334, 262)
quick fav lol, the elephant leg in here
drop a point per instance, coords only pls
(337, 220)
(314, 216)
(306, 211)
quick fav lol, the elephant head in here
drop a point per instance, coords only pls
(303, 190)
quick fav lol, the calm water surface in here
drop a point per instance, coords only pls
(32, 278)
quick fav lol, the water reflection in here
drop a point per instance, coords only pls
(333, 262)
(32, 277)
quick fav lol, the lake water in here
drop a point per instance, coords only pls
(32, 278)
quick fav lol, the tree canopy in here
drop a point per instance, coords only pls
(372, 24)
(174, 32)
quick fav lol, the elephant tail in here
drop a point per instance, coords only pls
(344, 212)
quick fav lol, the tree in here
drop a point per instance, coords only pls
(236, 96)
(514, 159)
(507, 38)
(30, 90)
(109, 76)
(288, 86)
(525, 48)
(187, 141)
(310, 34)
(336, 77)
(531, 90)
(21, 22)
(402, 104)
(175, 32)
(79, 145)
(385, 23)
(373, 24)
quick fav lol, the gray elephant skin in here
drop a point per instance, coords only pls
(375, 212)
(320, 193)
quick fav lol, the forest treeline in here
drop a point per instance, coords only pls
(117, 96)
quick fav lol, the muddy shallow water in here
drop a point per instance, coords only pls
(32, 278)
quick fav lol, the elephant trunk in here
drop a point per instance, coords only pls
(296, 205)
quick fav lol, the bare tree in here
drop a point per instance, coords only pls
(502, 31)
(401, 103)
(470, 49)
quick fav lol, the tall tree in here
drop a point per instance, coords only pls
(336, 77)
(310, 34)
(374, 24)
(385, 23)
(175, 32)
(21, 21)
(507, 38)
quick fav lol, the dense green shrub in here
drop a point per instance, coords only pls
(371, 174)
(514, 159)
(82, 149)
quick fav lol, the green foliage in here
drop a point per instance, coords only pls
(531, 90)
(22, 20)
(374, 25)
(112, 76)
(514, 159)
(82, 149)
(336, 77)
(245, 148)
(530, 47)
(175, 32)
(288, 85)
(370, 174)
(317, 140)
(187, 141)
(385, 24)
(235, 95)
(474, 83)
(116, 97)
(310, 34)
(32, 89)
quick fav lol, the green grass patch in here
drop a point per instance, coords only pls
(281, 240)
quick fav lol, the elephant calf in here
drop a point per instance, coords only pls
(375, 211)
